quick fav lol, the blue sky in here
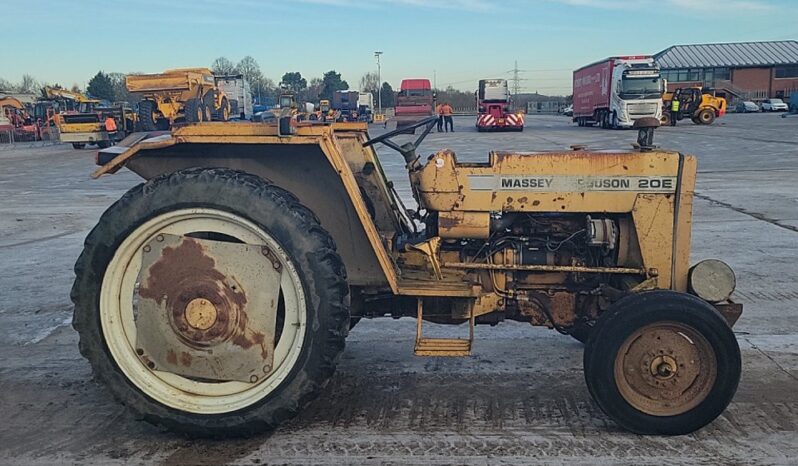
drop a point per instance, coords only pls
(457, 41)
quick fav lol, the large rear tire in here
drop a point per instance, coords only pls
(147, 115)
(235, 207)
(662, 362)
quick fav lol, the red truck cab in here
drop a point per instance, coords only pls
(414, 102)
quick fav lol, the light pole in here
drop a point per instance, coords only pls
(379, 83)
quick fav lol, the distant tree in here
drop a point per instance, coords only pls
(75, 88)
(294, 82)
(6, 85)
(263, 89)
(28, 85)
(369, 82)
(388, 97)
(332, 82)
(249, 68)
(222, 66)
(121, 93)
(312, 92)
(101, 87)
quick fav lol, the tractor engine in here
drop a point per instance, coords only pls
(523, 256)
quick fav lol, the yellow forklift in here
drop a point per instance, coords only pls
(700, 106)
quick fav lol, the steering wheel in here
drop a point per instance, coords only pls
(407, 150)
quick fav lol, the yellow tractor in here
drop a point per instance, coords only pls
(215, 298)
(702, 108)
(175, 96)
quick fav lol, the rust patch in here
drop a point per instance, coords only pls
(522, 200)
(447, 222)
(171, 357)
(536, 202)
(185, 359)
(509, 200)
(184, 273)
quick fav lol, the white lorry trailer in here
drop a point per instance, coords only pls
(238, 93)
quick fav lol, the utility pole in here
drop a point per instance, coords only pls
(516, 80)
(379, 82)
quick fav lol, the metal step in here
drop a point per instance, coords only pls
(442, 346)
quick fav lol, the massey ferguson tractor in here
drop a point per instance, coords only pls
(215, 298)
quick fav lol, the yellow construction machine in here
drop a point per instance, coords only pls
(702, 108)
(179, 95)
(215, 297)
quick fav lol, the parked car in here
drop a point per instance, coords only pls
(568, 111)
(774, 105)
(747, 107)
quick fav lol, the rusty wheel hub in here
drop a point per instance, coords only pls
(196, 302)
(665, 369)
(201, 314)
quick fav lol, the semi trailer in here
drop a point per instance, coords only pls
(617, 91)
(495, 107)
(238, 93)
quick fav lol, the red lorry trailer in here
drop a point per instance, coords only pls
(414, 102)
(494, 107)
(617, 91)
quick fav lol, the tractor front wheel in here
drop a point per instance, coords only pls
(662, 362)
(78, 145)
(211, 302)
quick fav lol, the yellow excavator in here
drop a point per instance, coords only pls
(701, 107)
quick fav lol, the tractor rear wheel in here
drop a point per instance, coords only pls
(211, 210)
(706, 116)
(662, 362)
(195, 111)
(147, 115)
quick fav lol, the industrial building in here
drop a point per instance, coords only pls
(744, 70)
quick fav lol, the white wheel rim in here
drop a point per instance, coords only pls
(119, 328)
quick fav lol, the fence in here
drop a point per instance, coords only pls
(11, 138)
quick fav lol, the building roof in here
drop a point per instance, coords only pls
(735, 55)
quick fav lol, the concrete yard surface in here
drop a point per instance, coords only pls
(521, 397)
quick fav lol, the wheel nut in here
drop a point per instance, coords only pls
(159, 238)
(147, 248)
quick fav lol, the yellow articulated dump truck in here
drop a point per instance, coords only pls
(175, 96)
(215, 297)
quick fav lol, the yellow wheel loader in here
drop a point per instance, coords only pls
(215, 298)
(176, 96)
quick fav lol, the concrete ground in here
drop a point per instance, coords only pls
(520, 398)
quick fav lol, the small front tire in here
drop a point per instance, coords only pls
(662, 362)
